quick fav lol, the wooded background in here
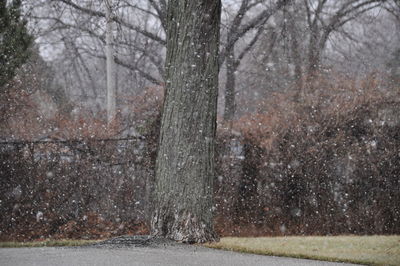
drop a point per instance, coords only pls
(308, 117)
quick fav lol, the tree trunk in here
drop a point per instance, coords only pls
(313, 59)
(111, 85)
(185, 161)
(230, 108)
(297, 60)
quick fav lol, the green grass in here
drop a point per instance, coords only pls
(368, 250)
(46, 243)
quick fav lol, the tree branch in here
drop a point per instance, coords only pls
(115, 19)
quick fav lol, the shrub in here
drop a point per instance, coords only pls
(327, 165)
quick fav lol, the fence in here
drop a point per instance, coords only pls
(52, 182)
(337, 178)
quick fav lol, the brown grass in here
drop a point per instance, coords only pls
(368, 250)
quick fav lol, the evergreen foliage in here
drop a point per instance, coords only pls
(14, 40)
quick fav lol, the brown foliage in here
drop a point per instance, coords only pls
(324, 165)
(327, 164)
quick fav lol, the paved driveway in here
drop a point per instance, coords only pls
(167, 255)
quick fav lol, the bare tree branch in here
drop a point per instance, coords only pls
(116, 19)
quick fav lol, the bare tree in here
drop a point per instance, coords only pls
(237, 29)
(79, 30)
(325, 17)
(308, 30)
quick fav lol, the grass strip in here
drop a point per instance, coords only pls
(368, 250)
(46, 243)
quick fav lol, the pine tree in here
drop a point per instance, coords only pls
(14, 40)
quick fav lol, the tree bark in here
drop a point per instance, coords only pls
(185, 161)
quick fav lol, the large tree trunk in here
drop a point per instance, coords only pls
(111, 84)
(185, 161)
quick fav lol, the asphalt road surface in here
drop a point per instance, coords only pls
(125, 251)
(141, 256)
